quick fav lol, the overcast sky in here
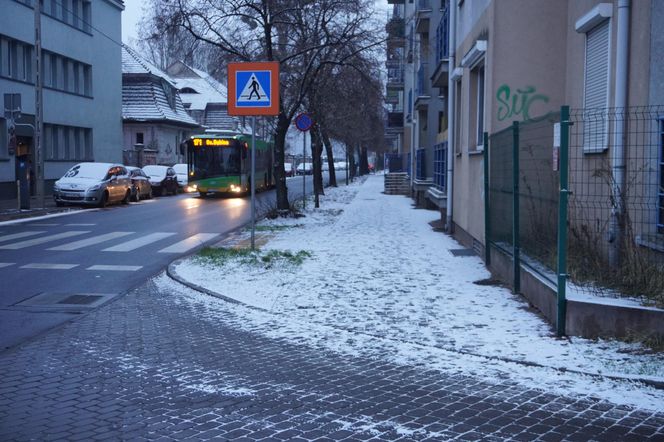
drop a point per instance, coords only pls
(130, 18)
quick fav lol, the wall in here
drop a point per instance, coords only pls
(102, 112)
(656, 86)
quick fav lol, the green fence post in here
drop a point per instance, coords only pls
(562, 220)
(487, 219)
(516, 251)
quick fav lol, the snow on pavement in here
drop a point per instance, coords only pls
(380, 281)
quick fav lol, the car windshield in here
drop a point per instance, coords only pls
(96, 171)
(155, 171)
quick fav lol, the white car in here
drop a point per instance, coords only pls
(181, 172)
(94, 184)
(305, 168)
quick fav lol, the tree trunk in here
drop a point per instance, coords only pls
(364, 161)
(316, 151)
(351, 162)
(283, 123)
(330, 156)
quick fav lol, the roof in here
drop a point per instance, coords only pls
(208, 90)
(145, 93)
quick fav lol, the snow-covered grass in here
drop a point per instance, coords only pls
(379, 281)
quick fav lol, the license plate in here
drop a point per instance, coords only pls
(70, 194)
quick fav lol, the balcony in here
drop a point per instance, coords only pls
(423, 89)
(423, 16)
(394, 123)
(396, 28)
(395, 77)
(395, 2)
(441, 73)
(392, 97)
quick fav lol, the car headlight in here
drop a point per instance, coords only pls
(56, 188)
(93, 188)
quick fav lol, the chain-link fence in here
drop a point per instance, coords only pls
(616, 205)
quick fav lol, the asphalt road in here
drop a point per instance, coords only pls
(95, 255)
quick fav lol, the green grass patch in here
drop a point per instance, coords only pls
(276, 228)
(219, 256)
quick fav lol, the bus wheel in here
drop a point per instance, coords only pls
(202, 194)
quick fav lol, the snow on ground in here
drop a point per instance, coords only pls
(381, 282)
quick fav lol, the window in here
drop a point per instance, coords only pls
(67, 142)
(139, 137)
(476, 120)
(596, 25)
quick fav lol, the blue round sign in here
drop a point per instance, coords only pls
(304, 122)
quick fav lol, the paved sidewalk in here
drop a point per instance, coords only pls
(166, 362)
(9, 210)
(378, 270)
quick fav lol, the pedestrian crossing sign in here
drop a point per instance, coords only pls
(253, 88)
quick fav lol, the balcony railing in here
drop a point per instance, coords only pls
(440, 166)
(395, 120)
(420, 164)
(424, 5)
(395, 76)
(443, 36)
(396, 27)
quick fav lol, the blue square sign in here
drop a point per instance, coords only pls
(253, 89)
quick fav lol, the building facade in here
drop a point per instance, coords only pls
(82, 86)
(479, 66)
(155, 121)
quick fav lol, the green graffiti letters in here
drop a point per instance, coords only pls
(511, 105)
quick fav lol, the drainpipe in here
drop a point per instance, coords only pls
(414, 119)
(451, 124)
(618, 151)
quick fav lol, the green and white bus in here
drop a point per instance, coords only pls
(221, 163)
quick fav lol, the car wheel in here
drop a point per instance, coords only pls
(103, 200)
(127, 197)
(137, 196)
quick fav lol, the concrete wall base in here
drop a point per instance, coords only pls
(584, 319)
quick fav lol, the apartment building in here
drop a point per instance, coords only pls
(82, 85)
(478, 66)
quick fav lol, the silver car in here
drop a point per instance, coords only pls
(94, 184)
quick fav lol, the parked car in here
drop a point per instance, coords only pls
(340, 165)
(140, 184)
(163, 179)
(288, 169)
(181, 173)
(94, 184)
(305, 168)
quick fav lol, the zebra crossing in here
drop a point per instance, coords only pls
(109, 242)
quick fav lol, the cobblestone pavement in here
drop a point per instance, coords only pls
(154, 365)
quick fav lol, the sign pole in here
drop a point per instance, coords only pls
(304, 170)
(253, 182)
(39, 154)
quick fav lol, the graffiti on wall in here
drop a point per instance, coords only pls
(517, 104)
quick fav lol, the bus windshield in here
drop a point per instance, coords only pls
(210, 161)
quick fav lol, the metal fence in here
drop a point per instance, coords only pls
(440, 166)
(603, 231)
(397, 162)
(616, 205)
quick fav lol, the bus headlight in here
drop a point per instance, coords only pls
(235, 188)
(192, 188)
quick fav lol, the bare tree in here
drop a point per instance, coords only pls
(304, 36)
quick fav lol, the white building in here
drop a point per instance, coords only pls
(82, 79)
(155, 121)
